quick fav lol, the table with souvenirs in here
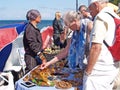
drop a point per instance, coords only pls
(55, 77)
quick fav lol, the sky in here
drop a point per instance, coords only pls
(17, 9)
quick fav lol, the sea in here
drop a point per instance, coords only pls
(43, 23)
(18, 41)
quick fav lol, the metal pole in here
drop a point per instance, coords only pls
(76, 5)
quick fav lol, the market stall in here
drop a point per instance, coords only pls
(52, 78)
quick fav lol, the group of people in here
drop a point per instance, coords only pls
(90, 26)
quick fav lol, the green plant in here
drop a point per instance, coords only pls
(115, 2)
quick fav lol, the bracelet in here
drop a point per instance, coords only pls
(86, 73)
(38, 53)
(42, 57)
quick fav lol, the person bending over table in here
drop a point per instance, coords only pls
(76, 45)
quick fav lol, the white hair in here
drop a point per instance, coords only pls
(70, 16)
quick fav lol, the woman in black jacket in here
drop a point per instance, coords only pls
(32, 39)
(58, 30)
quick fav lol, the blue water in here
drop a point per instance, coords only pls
(42, 24)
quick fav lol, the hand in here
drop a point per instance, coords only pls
(44, 65)
(87, 72)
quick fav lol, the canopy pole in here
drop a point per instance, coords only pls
(76, 5)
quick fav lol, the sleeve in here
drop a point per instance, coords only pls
(34, 40)
(60, 26)
(99, 32)
(55, 26)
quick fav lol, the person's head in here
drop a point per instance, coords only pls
(72, 20)
(57, 15)
(33, 15)
(95, 6)
(83, 10)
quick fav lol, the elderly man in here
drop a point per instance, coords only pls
(101, 69)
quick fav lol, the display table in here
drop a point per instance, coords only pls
(19, 84)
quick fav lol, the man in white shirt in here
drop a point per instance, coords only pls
(101, 69)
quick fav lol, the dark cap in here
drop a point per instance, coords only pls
(32, 14)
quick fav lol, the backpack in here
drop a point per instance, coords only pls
(115, 48)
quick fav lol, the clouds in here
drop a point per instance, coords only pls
(17, 9)
(49, 13)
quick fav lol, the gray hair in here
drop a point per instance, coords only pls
(70, 16)
(32, 14)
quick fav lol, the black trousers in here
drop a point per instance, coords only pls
(57, 41)
(56, 38)
(31, 62)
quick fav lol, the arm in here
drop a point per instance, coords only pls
(90, 26)
(55, 26)
(34, 39)
(98, 36)
(61, 55)
(94, 53)
(58, 57)
(60, 26)
(89, 29)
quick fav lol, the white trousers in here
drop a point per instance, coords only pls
(99, 80)
(117, 79)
